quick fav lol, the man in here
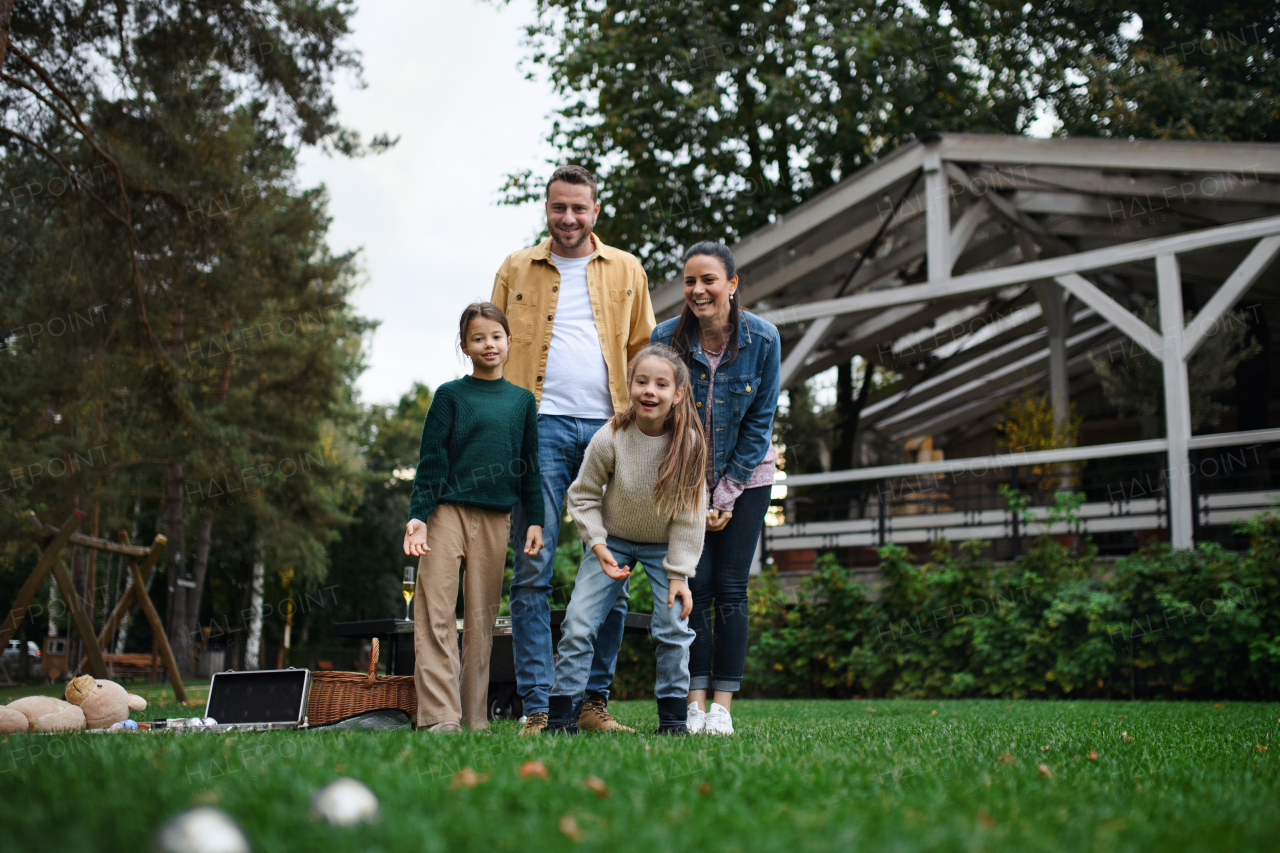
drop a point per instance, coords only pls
(579, 310)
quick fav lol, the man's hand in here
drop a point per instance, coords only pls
(679, 588)
(415, 538)
(609, 564)
(718, 518)
(533, 540)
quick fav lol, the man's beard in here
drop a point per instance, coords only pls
(555, 236)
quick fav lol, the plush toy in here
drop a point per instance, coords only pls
(40, 714)
(91, 704)
(102, 702)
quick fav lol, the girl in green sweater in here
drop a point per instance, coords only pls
(479, 455)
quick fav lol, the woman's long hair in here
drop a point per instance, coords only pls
(683, 470)
(687, 325)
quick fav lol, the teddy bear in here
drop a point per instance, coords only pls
(102, 702)
(40, 714)
(90, 703)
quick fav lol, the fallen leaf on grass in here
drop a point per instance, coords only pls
(872, 710)
(1045, 771)
(533, 770)
(1217, 706)
(207, 798)
(984, 817)
(1006, 758)
(467, 778)
(1044, 748)
(1262, 748)
(569, 826)
(597, 786)
(1127, 738)
(705, 789)
(933, 713)
(1093, 755)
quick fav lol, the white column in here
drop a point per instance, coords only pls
(1177, 401)
(937, 218)
(253, 647)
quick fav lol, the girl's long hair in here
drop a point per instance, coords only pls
(687, 325)
(683, 470)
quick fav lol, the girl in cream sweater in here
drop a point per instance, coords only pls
(639, 497)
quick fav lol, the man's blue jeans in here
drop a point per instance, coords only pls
(562, 445)
(594, 594)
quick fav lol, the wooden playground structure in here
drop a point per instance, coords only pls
(52, 540)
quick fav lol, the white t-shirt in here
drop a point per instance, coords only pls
(576, 382)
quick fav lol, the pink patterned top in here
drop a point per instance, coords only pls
(724, 494)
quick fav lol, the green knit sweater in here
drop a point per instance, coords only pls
(479, 448)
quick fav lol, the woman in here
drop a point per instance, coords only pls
(734, 358)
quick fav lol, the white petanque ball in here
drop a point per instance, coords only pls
(117, 726)
(210, 721)
(344, 802)
(202, 830)
(195, 721)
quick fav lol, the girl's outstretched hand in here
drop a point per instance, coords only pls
(609, 564)
(415, 538)
(533, 540)
(680, 589)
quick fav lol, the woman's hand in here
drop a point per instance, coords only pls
(533, 540)
(609, 564)
(718, 518)
(679, 588)
(415, 538)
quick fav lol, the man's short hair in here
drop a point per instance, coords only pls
(574, 175)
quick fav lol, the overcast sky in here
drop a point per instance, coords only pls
(424, 216)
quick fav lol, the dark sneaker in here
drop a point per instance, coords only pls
(595, 717)
(533, 724)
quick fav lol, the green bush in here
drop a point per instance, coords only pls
(1159, 623)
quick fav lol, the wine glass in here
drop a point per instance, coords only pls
(408, 588)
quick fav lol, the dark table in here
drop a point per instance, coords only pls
(395, 637)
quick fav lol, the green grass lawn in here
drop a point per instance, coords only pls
(799, 776)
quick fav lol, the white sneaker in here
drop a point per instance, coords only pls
(697, 720)
(718, 721)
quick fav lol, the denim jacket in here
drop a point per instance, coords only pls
(746, 394)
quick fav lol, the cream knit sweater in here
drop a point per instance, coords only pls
(613, 496)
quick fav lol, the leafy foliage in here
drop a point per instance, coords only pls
(1192, 624)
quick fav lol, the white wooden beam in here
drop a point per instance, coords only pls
(978, 465)
(1112, 154)
(1090, 294)
(1232, 289)
(985, 280)
(807, 344)
(1177, 401)
(937, 217)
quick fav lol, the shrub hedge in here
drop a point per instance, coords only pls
(1156, 624)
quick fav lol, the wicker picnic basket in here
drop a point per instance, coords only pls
(338, 695)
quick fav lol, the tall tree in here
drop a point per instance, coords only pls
(711, 119)
(156, 146)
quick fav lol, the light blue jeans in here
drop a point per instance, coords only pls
(562, 445)
(594, 595)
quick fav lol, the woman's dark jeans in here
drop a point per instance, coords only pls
(722, 576)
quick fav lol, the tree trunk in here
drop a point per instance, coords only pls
(204, 538)
(128, 616)
(179, 639)
(6, 13)
(253, 648)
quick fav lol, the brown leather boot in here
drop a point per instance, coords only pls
(534, 724)
(595, 717)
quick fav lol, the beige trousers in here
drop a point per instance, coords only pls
(474, 540)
